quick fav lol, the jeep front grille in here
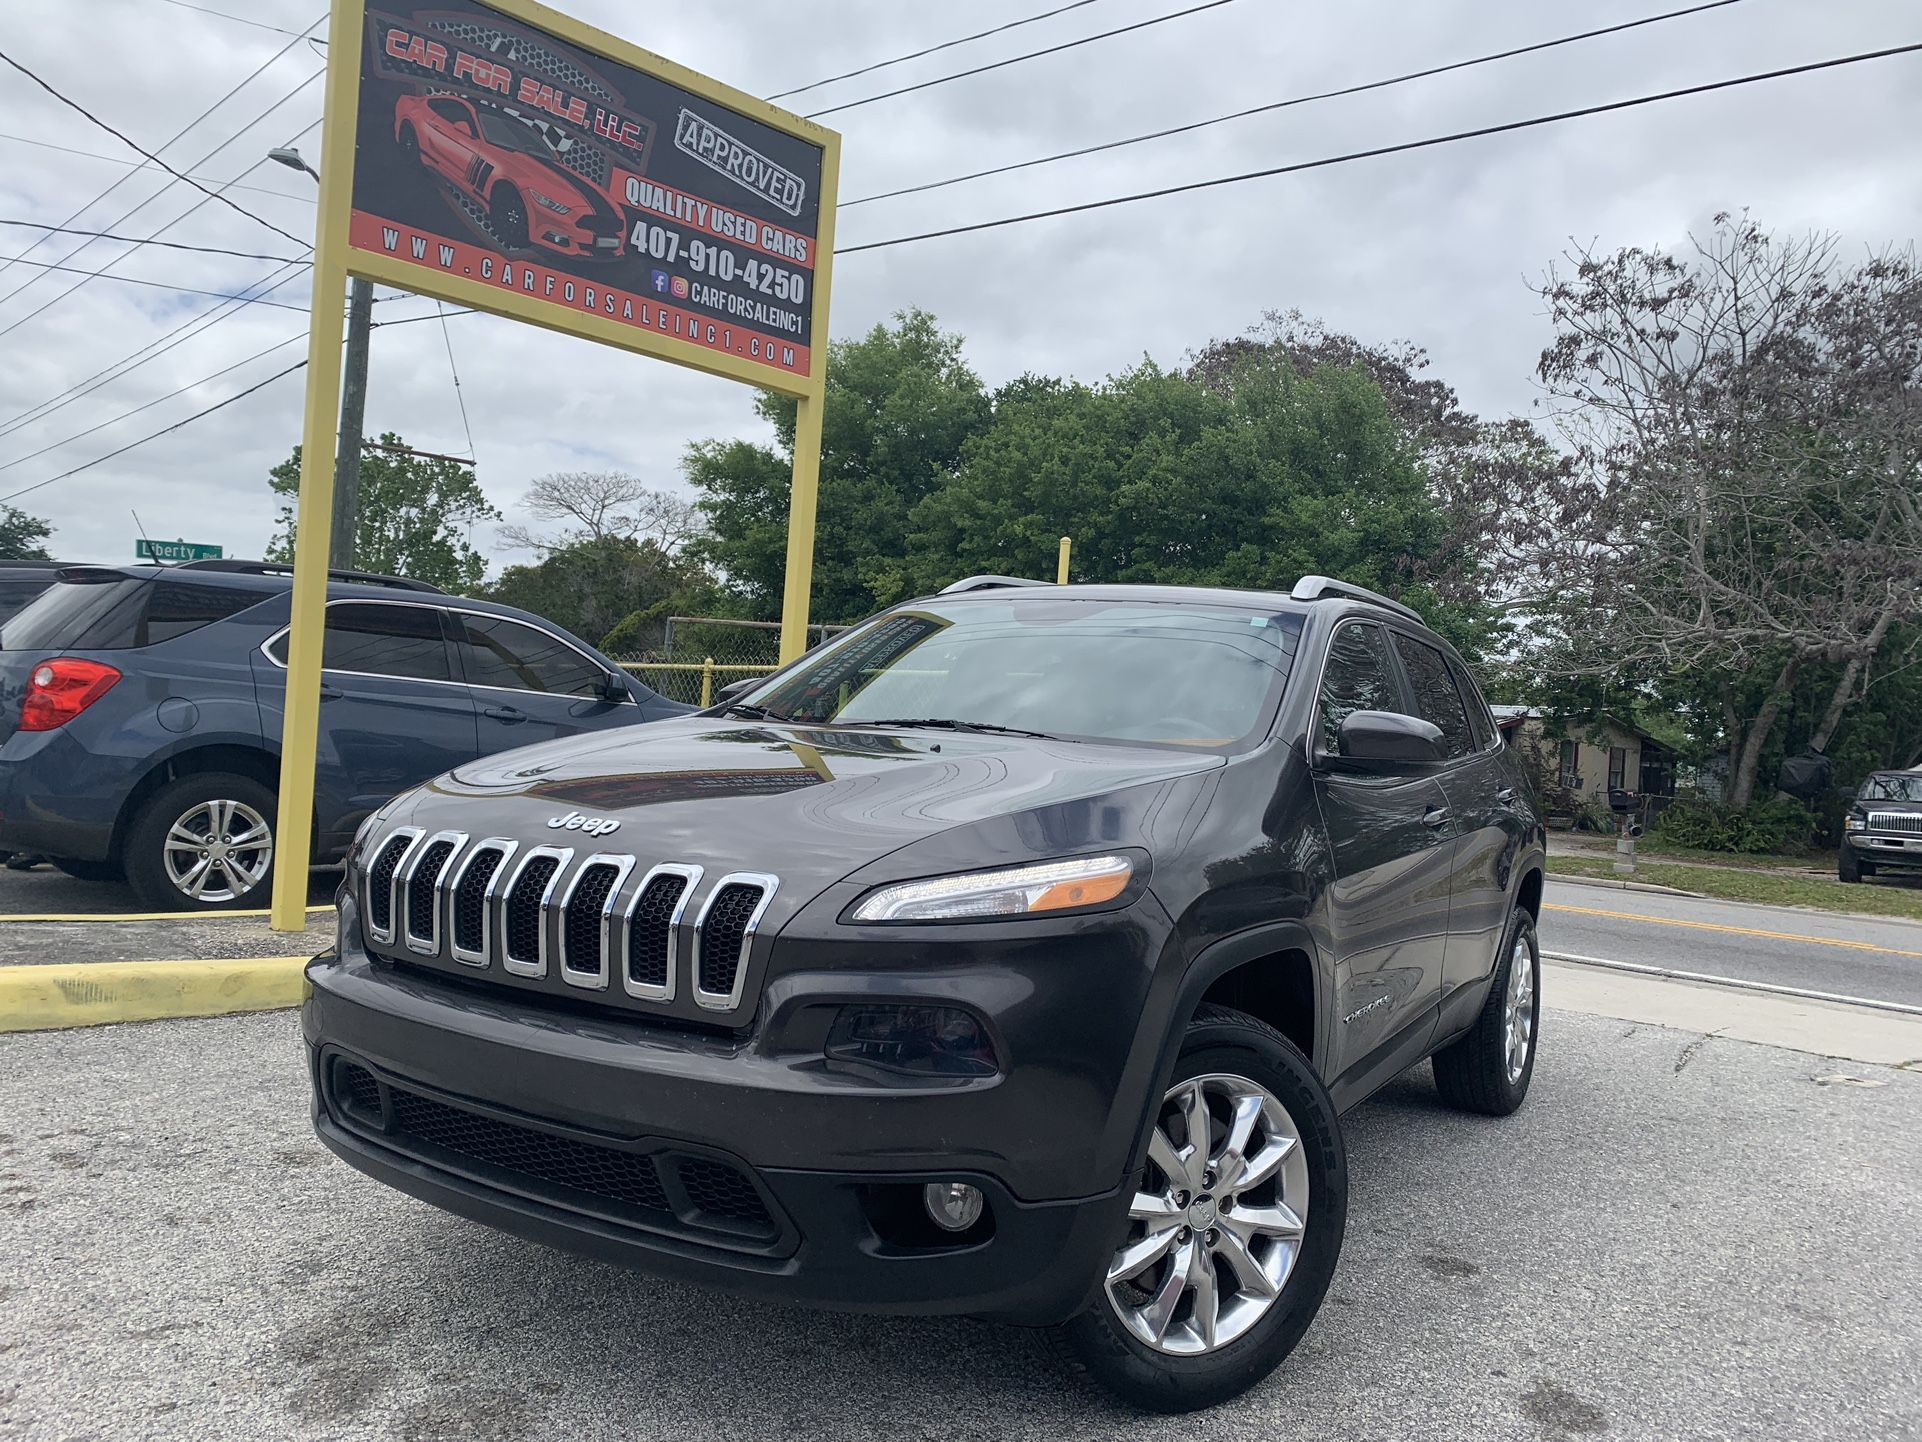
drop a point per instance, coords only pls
(544, 916)
(1904, 821)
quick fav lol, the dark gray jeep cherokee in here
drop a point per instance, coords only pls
(1014, 954)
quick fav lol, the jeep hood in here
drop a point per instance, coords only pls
(818, 801)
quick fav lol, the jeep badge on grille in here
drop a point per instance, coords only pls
(592, 825)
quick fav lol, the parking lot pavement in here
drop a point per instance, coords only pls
(47, 890)
(1678, 1237)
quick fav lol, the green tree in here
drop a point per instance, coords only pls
(417, 517)
(21, 536)
(593, 586)
(901, 405)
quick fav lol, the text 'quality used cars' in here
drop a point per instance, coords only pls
(1014, 954)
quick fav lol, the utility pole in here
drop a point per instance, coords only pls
(353, 408)
(353, 398)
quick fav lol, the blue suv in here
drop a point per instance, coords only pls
(140, 715)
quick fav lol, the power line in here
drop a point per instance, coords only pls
(197, 415)
(149, 405)
(245, 81)
(237, 19)
(151, 351)
(1380, 150)
(167, 244)
(155, 284)
(169, 430)
(1287, 104)
(87, 114)
(441, 311)
(927, 50)
(1017, 59)
(157, 230)
(143, 165)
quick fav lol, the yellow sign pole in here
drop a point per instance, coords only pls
(300, 707)
(1061, 565)
(807, 423)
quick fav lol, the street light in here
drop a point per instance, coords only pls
(353, 396)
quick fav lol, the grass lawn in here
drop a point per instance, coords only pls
(1896, 896)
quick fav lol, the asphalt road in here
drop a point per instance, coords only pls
(45, 890)
(1678, 1237)
(1872, 957)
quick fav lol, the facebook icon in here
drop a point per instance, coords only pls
(659, 280)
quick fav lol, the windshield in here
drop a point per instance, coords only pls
(513, 135)
(1171, 674)
(1893, 788)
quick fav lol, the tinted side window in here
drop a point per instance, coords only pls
(1479, 719)
(497, 652)
(90, 615)
(1356, 678)
(177, 607)
(1436, 697)
(377, 640)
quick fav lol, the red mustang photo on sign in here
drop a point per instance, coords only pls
(507, 167)
(490, 150)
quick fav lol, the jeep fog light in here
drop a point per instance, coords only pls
(953, 1206)
(1012, 891)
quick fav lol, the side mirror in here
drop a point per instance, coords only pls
(738, 687)
(1381, 740)
(614, 686)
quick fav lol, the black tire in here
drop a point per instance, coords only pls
(1474, 1072)
(507, 214)
(145, 852)
(1097, 1344)
(410, 144)
(90, 870)
(1851, 868)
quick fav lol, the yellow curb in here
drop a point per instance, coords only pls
(136, 915)
(94, 993)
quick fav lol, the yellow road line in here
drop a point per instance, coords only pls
(1732, 930)
(135, 915)
(93, 993)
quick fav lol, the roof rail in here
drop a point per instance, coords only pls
(987, 583)
(285, 568)
(1318, 588)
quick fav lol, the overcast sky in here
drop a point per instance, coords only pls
(1434, 246)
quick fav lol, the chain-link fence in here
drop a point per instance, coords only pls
(699, 655)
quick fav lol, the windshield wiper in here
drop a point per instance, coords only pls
(948, 723)
(754, 713)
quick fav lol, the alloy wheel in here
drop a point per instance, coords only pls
(218, 851)
(1518, 1013)
(1217, 1227)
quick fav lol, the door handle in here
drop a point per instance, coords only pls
(1505, 795)
(1435, 816)
(328, 693)
(509, 715)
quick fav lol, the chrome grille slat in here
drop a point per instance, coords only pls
(720, 960)
(587, 924)
(383, 874)
(545, 913)
(421, 882)
(1905, 821)
(659, 938)
(511, 916)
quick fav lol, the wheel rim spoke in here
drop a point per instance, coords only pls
(251, 837)
(1249, 1272)
(178, 835)
(195, 881)
(1210, 1245)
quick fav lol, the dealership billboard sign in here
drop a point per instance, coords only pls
(580, 184)
(507, 157)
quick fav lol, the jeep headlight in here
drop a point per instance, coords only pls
(554, 205)
(1012, 891)
(1856, 823)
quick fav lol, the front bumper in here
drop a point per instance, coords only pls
(837, 1161)
(1885, 850)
